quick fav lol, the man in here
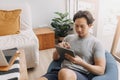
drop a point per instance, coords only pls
(90, 55)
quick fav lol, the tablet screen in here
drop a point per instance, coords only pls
(62, 51)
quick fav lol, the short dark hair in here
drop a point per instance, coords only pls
(85, 14)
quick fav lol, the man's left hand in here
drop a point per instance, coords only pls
(75, 60)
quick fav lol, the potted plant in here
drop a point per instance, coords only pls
(61, 25)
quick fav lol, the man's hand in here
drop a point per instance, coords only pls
(56, 56)
(75, 60)
(65, 45)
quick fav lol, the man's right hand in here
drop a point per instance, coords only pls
(56, 56)
(65, 45)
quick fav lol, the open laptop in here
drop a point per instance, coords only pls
(7, 56)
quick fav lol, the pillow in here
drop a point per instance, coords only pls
(9, 22)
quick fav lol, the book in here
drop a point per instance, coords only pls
(7, 58)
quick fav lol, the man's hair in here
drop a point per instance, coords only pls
(84, 14)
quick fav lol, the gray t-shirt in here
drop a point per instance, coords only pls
(87, 48)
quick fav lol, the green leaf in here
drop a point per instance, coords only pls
(61, 24)
(65, 15)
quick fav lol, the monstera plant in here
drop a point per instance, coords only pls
(61, 24)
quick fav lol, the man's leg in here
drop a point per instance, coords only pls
(67, 74)
(42, 78)
(50, 76)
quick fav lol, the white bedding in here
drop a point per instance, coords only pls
(26, 39)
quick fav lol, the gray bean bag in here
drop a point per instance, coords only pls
(111, 72)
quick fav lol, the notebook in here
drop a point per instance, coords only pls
(4, 54)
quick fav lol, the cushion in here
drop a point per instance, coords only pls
(9, 22)
(25, 16)
(111, 72)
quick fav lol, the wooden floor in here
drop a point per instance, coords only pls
(45, 59)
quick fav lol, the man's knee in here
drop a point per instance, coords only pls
(66, 74)
(63, 72)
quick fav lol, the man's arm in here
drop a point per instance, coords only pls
(98, 68)
(99, 60)
(56, 56)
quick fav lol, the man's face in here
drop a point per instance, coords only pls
(81, 27)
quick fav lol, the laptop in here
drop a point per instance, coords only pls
(5, 56)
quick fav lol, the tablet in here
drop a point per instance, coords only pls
(8, 52)
(62, 51)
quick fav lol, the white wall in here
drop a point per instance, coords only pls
(43, 11)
